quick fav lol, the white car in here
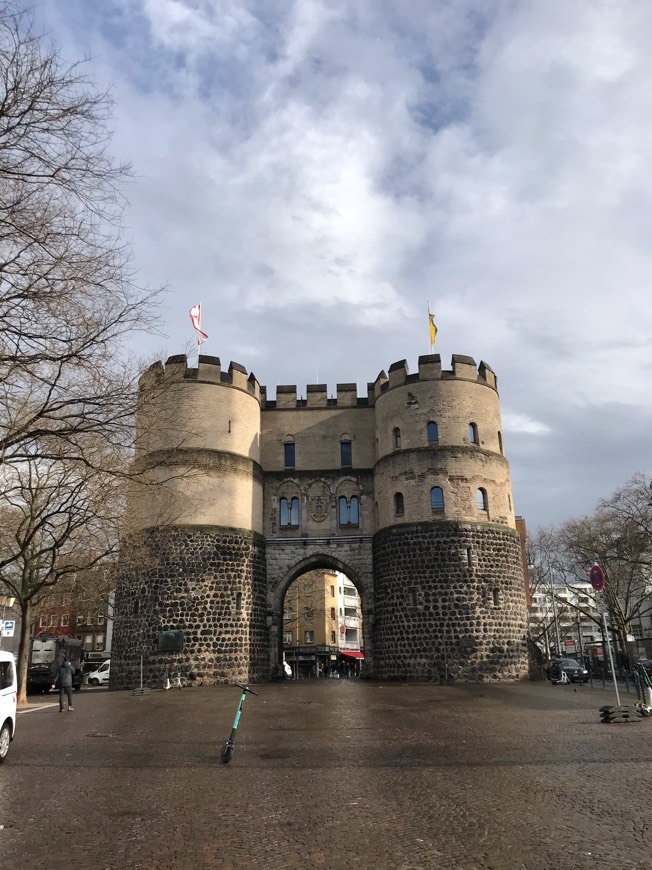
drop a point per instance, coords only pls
(101, 675)
(8, 697)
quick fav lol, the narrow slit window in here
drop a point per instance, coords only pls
(398, 504)
(469, 553)
(473, 433)
(396, 438)
(433, 432)
(496, 597)
(344, 511)
(500, 442)
(483, 503)
(238, 602)
(413, 598)
(354, 513)
(346, 454)
(294, 512)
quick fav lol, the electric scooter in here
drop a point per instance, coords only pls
(229, 746)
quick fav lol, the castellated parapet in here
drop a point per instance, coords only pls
(405, 489)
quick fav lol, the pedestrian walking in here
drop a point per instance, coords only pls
(64, 683)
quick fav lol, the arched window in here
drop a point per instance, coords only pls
(398, 504)
(473, 433)
(437, 498)
(289, 513)
(483, 503)
(433, 432)
(500, 442)
(354, 513)
(396, 438)
(288, 452)
(348, 511)
(346, 452)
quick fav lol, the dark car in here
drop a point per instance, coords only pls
(574, 671)
(647, 664)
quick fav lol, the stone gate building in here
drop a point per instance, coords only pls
(406, 490)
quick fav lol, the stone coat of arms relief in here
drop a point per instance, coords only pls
(318, 501)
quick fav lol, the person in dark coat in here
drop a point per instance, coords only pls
(64, 683)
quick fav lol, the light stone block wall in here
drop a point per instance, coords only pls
(317, 433)
(193, 415)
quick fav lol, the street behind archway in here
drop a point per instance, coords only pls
(329, 774)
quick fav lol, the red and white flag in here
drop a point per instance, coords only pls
(195, 317)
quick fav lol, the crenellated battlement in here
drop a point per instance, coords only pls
(288, 396)
(208, 371)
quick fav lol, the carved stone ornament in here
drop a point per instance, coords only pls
(318, 501)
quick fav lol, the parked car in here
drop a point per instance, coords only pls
(574, 671)
(101, 675)
(8, 698)
(647, 664)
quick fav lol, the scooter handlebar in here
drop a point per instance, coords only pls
(246, 689)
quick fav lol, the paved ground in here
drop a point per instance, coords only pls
(329, 775)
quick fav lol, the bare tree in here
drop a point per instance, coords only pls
(67, 294)
(59, 520)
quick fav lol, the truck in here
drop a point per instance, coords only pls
(46, 654)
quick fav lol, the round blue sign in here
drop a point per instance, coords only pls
(596, 576)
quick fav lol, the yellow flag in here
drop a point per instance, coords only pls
(433, 329)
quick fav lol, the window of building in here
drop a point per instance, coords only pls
(348, 511)
(54, 620)
(332, 592)
(289, 513)
(99, 641)
(136, 607)
(288, 454)
(88, 642)
(483, 504)
(433, 432)
(496, 597)
(509, 502)
(333, 613)
(469, 561)
(396, 438)
(238, 602)
(437, 498)
(473, 433)
(309, 637)
(413, 598)
(346, 454)
(43, 621)
(398, 504)
(332, 637)
(80, 619)
(500, 442)
(65, 620)
(100, 619)
(287, 613)
(287, 637)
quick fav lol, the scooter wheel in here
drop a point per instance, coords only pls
(227, 752)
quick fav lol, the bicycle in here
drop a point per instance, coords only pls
(229, 745)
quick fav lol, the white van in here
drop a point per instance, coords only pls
(8, 697)
(101, 675)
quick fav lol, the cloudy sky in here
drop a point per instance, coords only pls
(314, 172)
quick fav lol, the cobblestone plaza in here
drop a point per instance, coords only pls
(329, 774)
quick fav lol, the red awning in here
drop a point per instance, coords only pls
(352, 653)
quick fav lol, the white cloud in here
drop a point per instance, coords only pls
(344, 163)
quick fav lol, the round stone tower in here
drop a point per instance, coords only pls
(191, 589)
(448, 577)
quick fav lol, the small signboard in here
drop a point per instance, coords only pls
(596, 576)
(8, 627)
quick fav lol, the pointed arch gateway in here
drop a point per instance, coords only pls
(326, 561)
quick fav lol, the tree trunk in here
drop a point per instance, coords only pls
(23, 650)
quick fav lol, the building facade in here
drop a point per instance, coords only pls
(406, 490)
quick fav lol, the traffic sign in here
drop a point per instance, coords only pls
(8, 627)
(596, 576)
